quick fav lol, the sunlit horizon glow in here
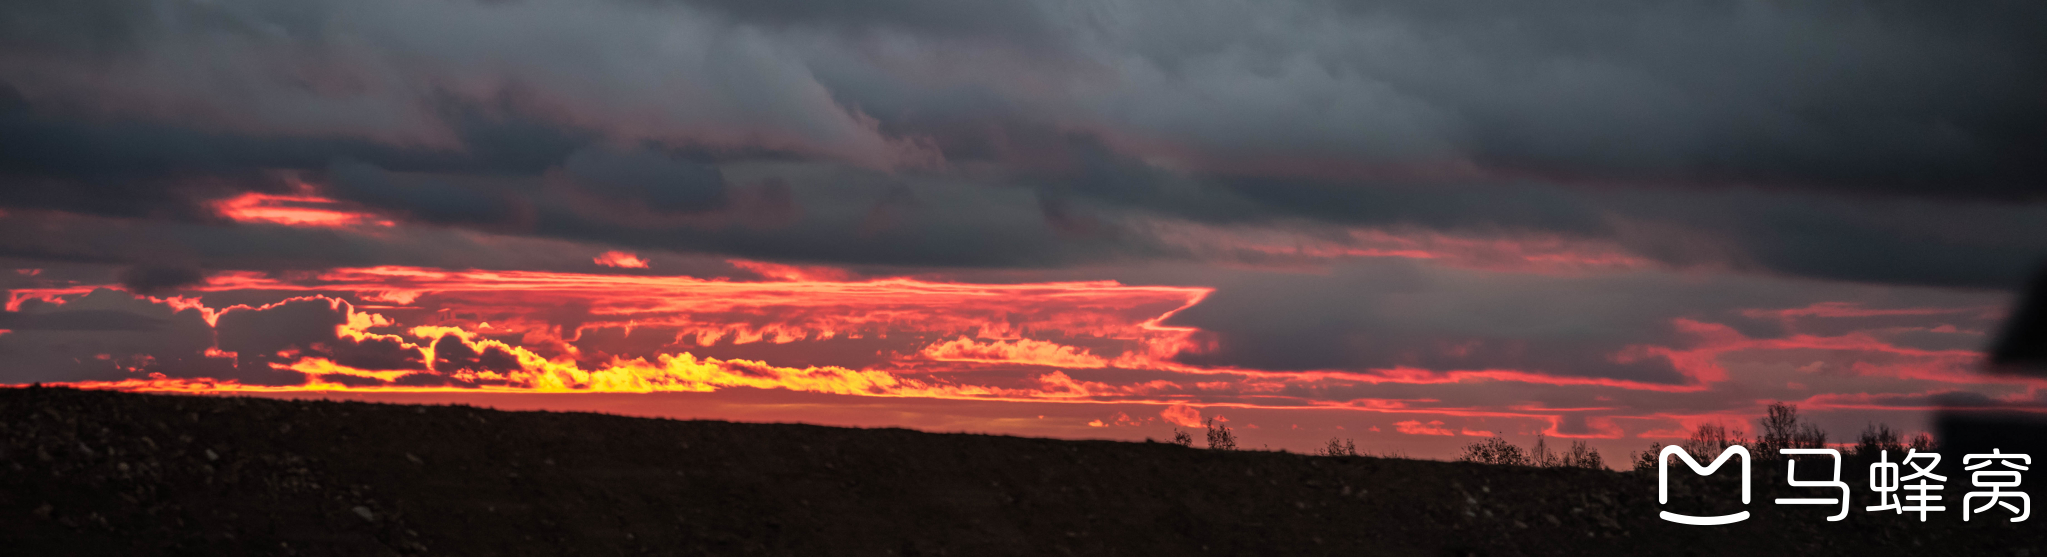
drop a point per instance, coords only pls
(1410, 225)
(1094, 344)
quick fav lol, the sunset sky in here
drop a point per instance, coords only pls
(1409, 223)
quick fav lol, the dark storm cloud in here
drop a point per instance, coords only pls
(130, 167)
(1033, 134)
(93, 337)
(430, 199)
(109, 335)
(1921, 242)
(661, 184)
(451, 354)
(1393, 313)
(970, 19)
(258, 333)
(1905, 97)
(80, 320)
(150, 279)
(1400, 315)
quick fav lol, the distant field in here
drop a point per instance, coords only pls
(85, 472)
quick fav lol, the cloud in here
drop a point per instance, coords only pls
(1181, 415)
(154, 279)
(1395, 316)
(1036, 134)
(620, 259)
(80, 320)
(1417, 427)
(1599, 218)
(612, 180)
(1019, 351)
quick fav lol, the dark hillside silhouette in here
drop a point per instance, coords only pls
(106, 473)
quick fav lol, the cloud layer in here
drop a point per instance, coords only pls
(1600, 219)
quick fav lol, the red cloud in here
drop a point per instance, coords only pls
(294, 210)
(777, 271)
(1416, 427)
(1020, 351)
(1181, 415)
(621, 259)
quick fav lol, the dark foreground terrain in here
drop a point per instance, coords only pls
(100, 473)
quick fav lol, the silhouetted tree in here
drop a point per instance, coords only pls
(1781, 428)
(1494, 450)
(1182, 438)
(1709, 439)
(1645, 461)
(1877, 438)
(1583, 456)
(1219, 436)
(1923, 442)
(1540, 455)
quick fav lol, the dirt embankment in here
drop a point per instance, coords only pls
(115, 473)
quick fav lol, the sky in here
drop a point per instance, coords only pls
(1408, 223)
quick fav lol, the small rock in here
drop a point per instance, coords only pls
(365, 513)
(211, 456)
(414, 459)
(45, 510)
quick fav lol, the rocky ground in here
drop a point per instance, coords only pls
(114, 473)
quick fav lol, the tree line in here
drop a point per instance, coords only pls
(1782, 428)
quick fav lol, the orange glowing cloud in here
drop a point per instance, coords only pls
(1845, 309)
(1181, 415)
(703, 312)
(401, 331)
(621, 259)
(1020, 351)
(294, 210)
(494, 331)
(1416, 427)
(778, 271)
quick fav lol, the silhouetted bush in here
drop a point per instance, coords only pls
(1877, 438)
(1494, 450)
(1782, 429)
(1497, 450)
(1923, 442)
(1539, 455)
(1337, 447)
(1182, 438)
(1704, 444)
(1583, 456)
(1645, 461)
(1708, 440)
(1219, 436)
